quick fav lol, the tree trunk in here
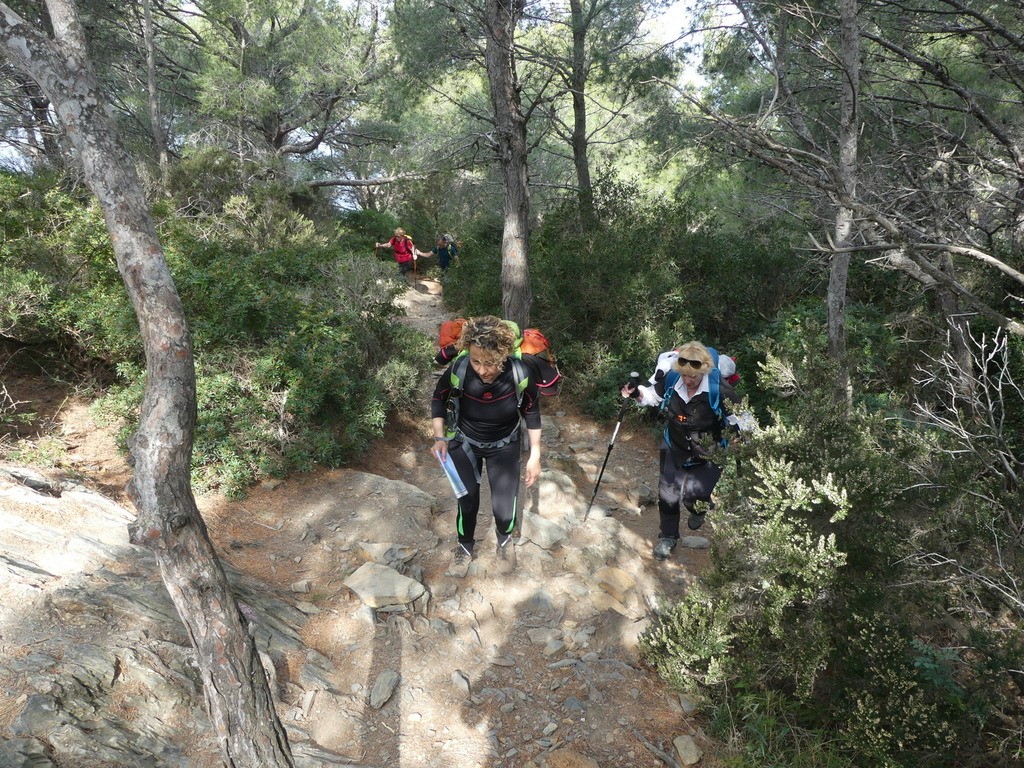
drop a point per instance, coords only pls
(156, 128)
(40, 127)
(849, 66)
(510, 136)
(580, 141)
(168, 521)
(958, 346)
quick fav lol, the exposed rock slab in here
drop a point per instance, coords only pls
(378, 586)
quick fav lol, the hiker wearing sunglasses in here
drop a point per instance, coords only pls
(694, 397)
(475, 414)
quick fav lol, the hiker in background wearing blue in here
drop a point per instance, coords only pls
(475, 413)
(445, 250)
(689, 389)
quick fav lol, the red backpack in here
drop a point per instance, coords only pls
(532, 347)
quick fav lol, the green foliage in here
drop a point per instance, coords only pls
(298, 358)
(798, 618)
(360, 229)
(46, 451)
(691, 642)
(790, 355)
(894, 712)
(298, 355)
(765, 729)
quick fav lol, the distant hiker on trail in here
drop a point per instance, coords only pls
(475, 415)
(405, 251)
(688, 387)
(445, 250)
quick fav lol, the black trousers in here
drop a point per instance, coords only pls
(682, 484)
(502, 477)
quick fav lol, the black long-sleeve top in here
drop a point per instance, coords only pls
(487, 412)
(691, 421)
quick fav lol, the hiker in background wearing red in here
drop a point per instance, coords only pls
(405, 251)
(475, 413)
(694, 400)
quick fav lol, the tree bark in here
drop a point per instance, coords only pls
(155, 125)
(580, 141)
(40, 125)
(849, 67)
(168, 520)
(501, 17)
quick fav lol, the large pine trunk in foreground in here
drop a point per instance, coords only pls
(510, 135)
(237, 693)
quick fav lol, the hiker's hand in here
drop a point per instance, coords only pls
(440, 449)
(628, 390)
(532, 470)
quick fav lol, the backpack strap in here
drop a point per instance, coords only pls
(521, 375)
(715, 384)
(670, 386)
(457, 379)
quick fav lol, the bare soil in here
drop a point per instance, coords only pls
(429, 724)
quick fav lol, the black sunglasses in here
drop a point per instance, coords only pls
(695, 364)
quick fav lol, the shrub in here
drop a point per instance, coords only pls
(799, 611)
(300, 367)
(298, 355)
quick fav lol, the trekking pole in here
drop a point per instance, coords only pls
(634, 379)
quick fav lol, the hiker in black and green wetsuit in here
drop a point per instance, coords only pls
(496, 389)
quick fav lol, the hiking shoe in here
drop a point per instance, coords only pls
(664, 547)
(505, 552)
(461, 557)
(695, 521)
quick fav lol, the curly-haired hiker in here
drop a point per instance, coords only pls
(475, 412)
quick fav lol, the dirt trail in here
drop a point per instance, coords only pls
(499, 670)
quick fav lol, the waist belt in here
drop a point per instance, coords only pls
(693, 446)
(468, 444)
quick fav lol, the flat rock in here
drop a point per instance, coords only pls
(24, 753)
(615, 581)
(695, 542)
(383, 688)
(384, 553)
(377, 586)
(689, 753)
(557, 498)
(545, 533)
(544, 635)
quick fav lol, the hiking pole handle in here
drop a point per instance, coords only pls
(634, 382)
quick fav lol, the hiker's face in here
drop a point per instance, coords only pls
(486, 364)
(692, 380)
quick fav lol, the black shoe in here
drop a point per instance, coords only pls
(664, 547)
(695, 521)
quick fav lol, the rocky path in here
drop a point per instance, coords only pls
(377, 656)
